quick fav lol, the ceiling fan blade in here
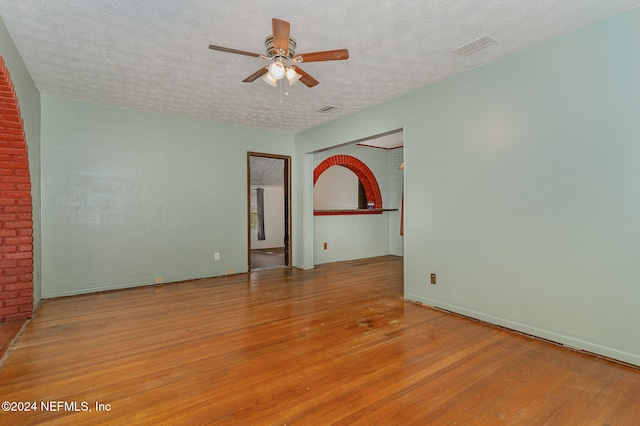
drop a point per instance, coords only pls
(281, 31)
(306, 79)
(327, 55)
(255, 75)
(236, 51)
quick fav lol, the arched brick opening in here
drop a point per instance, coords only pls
(365, 175)
(16, 223)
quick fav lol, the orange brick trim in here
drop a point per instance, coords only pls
(365, 175)
(16, 224)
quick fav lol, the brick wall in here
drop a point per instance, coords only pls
(16, 226)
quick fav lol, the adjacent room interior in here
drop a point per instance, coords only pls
(408, 214)
(269, 201)
(358, 187)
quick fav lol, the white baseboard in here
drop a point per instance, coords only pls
(562, 339)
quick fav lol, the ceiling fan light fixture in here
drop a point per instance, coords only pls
(277, 70)
(292, 76)
(281, 52)
(270, 80)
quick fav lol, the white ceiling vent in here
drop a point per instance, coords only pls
(474, 46)
(327, 108)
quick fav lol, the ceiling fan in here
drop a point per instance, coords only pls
(281, 52)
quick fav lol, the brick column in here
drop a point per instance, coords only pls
(16, 225)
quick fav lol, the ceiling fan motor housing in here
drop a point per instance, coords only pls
(273, 53)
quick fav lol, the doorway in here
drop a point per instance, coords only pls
(269, 211)
(368, 226)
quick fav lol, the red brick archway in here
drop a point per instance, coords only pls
(365, 175)
(16, 223)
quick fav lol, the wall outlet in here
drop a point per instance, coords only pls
(158, 280)
(216, 255)
(325, 246)
(433, 279)
(230, 271)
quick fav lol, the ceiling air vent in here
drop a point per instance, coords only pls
(474, 46)
(327, 108)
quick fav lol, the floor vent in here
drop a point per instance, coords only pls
(327, 108)
(474, 46)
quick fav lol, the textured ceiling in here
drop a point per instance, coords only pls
(266, 171)
(153, 55)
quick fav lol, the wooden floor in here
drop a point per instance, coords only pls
(8, 332)
(334, 345)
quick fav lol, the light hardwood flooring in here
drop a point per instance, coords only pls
(8, 332)
(333, 345)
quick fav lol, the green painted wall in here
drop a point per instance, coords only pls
(396, 187)
(29, 100)
(521, 188)
(129, 196)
